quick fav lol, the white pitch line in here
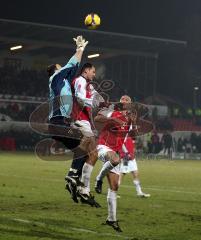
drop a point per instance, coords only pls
(164, 190)
(21, 220)
(73, 229)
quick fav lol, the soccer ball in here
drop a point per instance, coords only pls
(92, 21)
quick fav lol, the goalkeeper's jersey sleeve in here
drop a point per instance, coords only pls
(60, 95)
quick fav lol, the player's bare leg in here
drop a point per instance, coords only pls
(121, 175)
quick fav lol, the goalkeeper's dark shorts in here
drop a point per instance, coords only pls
(60, 130)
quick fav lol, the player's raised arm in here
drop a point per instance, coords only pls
(69, 70)
(81, 43)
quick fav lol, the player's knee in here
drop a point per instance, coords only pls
(115, 186)
(135, 174)
(79, 152)
(93, 156)
(115, 160)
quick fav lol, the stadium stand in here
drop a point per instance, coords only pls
(23, 84)
(185, 125)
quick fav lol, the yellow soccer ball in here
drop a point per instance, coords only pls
(92, 21)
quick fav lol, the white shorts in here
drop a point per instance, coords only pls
(85, 127)
(102, 151)
(131, 167)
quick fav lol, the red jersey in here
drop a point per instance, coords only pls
(130, 147)
(113, 134)
(84, 92)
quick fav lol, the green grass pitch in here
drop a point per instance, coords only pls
(35, 205)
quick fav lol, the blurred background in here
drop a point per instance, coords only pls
(150, 50)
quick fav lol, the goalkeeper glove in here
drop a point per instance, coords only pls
(80, 43)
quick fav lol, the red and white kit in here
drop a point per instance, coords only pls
(83, 102)
(112, 135)
(129, 149)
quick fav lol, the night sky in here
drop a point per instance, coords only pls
(157, 18)
(174, 19)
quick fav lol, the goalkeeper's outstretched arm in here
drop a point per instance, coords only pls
(81, 43)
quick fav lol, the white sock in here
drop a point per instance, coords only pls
(137, 186)
(107, 166)
(112, 204)
(119, 182)
(86, 175)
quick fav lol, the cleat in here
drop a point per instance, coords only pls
(71, 186)
(144, 195)
(98, 186)
(113, 224)
(70, 189)
(96, 204)
(71, 179)
(88, 199)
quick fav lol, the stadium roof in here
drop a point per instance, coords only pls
(55, 40)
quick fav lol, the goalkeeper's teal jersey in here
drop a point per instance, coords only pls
(60, 95)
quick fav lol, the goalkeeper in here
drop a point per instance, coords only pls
(60, 79)
(61, 100)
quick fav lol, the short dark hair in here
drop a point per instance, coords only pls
(51, 69)
(85, 66)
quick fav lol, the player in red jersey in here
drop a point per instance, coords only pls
(128, 162)
(85, 98)
(129, 165)
(110, 143)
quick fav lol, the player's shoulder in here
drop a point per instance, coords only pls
(80, 79)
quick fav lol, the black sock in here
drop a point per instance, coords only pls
(79, 159)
